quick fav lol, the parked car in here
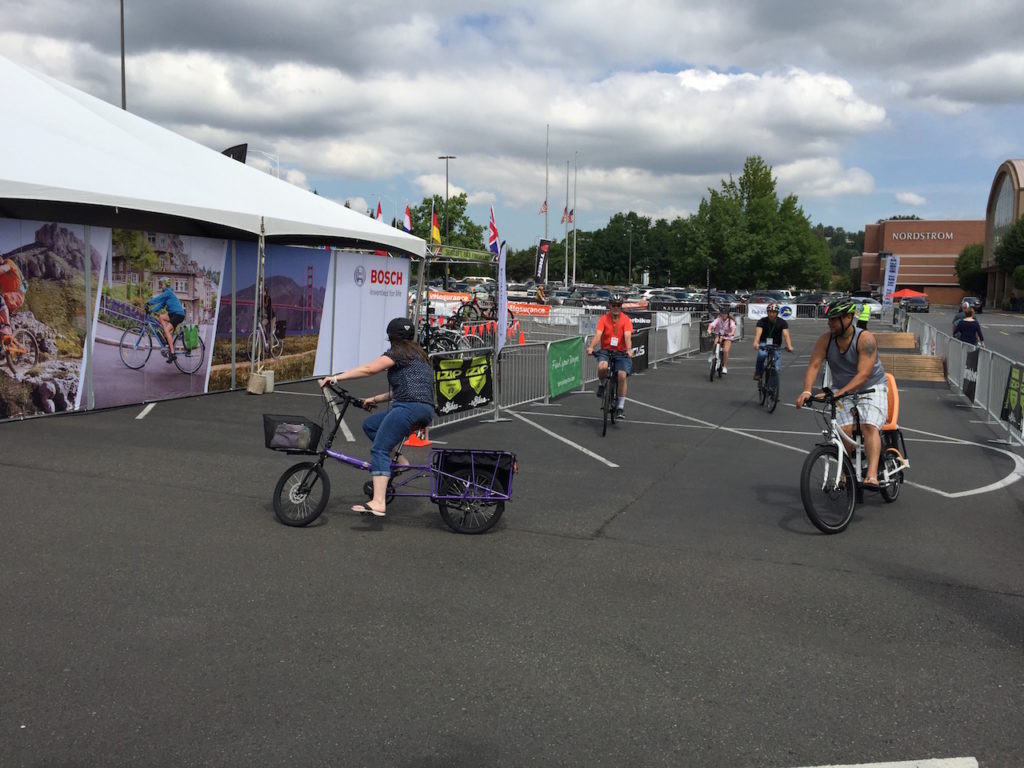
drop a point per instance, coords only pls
(974, 302)
(817, 298)
(915, 304)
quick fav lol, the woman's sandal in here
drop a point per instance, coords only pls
(366, 509)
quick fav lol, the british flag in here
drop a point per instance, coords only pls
(492, 235)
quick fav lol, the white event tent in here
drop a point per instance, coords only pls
(73, 158)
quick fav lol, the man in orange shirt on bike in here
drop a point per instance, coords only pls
(615, 335)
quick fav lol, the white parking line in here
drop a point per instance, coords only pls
(939, 762)
(145, 411)
(557, 436)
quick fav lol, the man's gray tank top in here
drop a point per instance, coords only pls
(844, 366)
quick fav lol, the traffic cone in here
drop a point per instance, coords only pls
(416, 441)
(522, 336)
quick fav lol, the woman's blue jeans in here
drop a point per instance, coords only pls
(389, 428)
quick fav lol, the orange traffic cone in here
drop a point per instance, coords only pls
(416, 441)
(522, 336)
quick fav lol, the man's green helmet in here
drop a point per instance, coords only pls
(842, 307)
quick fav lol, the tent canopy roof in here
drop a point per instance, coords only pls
(75, 158)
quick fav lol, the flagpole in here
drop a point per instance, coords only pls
(565, 280)
(547, 166)
(575, 177)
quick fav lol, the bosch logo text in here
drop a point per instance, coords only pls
(386, 277)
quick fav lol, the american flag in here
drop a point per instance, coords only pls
(565, 215)
(492, 235)
(543, 207)
(407, 221)
(572, 216)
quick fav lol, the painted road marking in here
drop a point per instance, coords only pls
(939, 762)
(555, 435)
(145, 411)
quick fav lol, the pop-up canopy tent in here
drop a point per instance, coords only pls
(906, 293)
(74, 158)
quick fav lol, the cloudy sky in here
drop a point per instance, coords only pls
(864, 108)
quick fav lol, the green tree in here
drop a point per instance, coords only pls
(1009, 253)
(457, 229)
(968, 269)
(139, 256)
(1018, 278)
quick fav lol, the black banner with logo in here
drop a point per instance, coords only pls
(970, 373)
(462, 384)
(542, 259)
(640, 352)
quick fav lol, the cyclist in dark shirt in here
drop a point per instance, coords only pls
(411, 392)
(774, 328)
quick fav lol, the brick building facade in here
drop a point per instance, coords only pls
(927, 249)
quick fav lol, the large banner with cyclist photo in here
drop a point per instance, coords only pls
(158, 286)
(461, 384)
(46, 270)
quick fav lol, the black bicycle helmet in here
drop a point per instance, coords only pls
(616, 298)
(842, 307)
(400, 328)
(772, 308)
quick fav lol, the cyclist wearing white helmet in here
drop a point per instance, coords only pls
(615, 335)
(852, 356)
(775, 328)
(725, 326)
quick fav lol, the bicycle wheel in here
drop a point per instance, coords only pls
(827, 489)
(188, 360)
(276, 347)
(714, 362)
(771, 389)
(762, 391)
(607, 403)
(892, 463)
(256, 341)
(469, 513)
(136, 346)
(301, 494)
(23, 354)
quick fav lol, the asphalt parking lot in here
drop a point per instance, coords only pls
(656, 597)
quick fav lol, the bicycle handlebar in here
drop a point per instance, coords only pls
(344, 394)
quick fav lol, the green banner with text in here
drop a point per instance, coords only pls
(564, 369)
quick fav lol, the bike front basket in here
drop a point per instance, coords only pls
(291, 434)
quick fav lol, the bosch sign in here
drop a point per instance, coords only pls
(386, 277)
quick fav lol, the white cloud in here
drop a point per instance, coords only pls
(659, 99)
(910, 198)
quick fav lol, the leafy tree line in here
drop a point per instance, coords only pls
(743, 233)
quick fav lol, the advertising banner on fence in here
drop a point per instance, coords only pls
(564, 369)
(1012, 402)
(462, 384)
(640, 339)
(970, 373)
(676, 332)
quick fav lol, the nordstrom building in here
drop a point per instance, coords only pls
(927, 253)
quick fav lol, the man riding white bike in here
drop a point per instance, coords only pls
(852, 356)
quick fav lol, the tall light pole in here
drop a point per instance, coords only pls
(446, 158)
(124, 99)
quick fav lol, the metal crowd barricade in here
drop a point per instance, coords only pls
(993, 370)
